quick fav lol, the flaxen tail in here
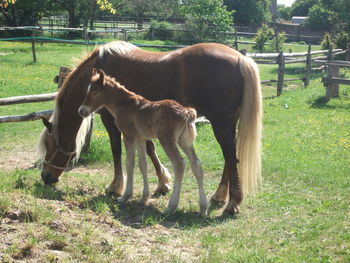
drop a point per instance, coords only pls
(250, 127)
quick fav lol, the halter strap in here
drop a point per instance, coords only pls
(65, 153)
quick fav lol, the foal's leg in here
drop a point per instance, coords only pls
(118, 183)
(187, 146)
(141, 148)
(130, 146)
(170, 148)
(225, 134)
(164, 177)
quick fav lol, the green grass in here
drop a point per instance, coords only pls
(300, 214)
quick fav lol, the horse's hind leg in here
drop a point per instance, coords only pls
(164, 177)
(186, 145)
(225, 134)
(117, 185)
(141, 148)
(170, 148)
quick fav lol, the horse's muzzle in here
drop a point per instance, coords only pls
(48, 179)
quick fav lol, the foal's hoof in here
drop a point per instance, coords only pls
(169, 211)
(144, 200)
(124, 199)
(161, 190)
(232, 209)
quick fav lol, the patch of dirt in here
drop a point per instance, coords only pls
(5, 53)
(133, 245)
(16, 158)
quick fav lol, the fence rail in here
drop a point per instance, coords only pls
(331, 80)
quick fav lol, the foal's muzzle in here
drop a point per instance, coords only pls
(84, 111)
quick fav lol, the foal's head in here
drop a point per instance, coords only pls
(94, 96)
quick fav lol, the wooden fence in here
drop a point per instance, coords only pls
(33, 99)
(281, 59)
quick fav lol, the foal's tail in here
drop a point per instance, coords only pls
(250, 127)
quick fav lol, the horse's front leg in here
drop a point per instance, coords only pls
(117, 185)
(164, 177)
(130, 147)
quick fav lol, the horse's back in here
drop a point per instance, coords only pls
(211, 80)
(204, 76)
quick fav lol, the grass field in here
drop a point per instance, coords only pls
(300, 214)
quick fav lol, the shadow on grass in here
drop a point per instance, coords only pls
(323, 103)
(47, 192)
(136, 215)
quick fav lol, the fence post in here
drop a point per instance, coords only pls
(281, 62)
(332, 89)
(125, 34)
(33, 46)
(307, 67)
(276, 37)
(85, 34)
(236, 40)
(348, 52)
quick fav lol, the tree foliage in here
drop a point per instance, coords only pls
(205, 19)
(250, 11)
(319, 17)
(284, 12)
(301, 7)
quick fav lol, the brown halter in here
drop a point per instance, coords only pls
(65, 153)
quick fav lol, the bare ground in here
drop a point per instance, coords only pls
(124, 236)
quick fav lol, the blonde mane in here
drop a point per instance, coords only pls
(116, 47)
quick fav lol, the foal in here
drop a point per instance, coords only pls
(139, 120)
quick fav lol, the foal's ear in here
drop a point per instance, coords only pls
(47, 123)
(102, 76)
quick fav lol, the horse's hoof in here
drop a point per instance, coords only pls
(232, 209)
(217, 201)
(113, 191)
(161, 191)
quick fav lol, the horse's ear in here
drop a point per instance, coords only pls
(47, 123)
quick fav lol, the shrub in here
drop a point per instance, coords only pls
(341, 40)
(277, 42)
(160, 30)
(263, 35)
(327, 42)
(206, 20)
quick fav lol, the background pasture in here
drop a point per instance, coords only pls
(300, 214)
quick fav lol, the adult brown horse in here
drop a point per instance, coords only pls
(219, 82)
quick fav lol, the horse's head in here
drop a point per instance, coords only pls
(93, 99)
(56, 158)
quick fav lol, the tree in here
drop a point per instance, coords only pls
(157, 8)
(301, 7)
(284, 12)
(205, 19)
(319, 17)
(25, 13)
(341, 11)
(250, 11)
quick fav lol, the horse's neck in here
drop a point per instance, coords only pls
(69, 100)
(117, 98)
